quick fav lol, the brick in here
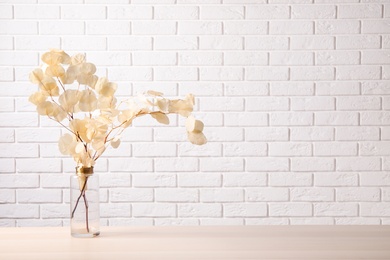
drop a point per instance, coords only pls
(19, 181)
(312, 73)
(84, 12)
(337, 57)
(7, 165)
(130, 73)
(313, 12)
(221, 164)
(39, 223)
(131, 222)
(154, 180)
(200, 210)
(312, 42)
(268, 12)
(221, 12)
(187, 149)
(333, 27)
(291, 88)
(201, 88)
(375, 118)
(360, 133)
(129, 43)
(358, 42)
(266, 43)
(176, 164)
(245, 27)
(291, 58)
(245, 149)
(43, 43)
(357, 194)
(335, 209)
(311, 133)
(176, 73)
(130, 12)
(246, 119)
(375, 209)
(291, 119)
(177, 195)
(376, 57)
(131, 195)
(200, 58)
(17, 211)
(199, 180)
(335, 149)
(176, 12)
(154, 149)
(377, 148)
(358, 72)
(357, 221)
(358, 164)
(246, 88)
(153, 27)
(36, 12)
(267, 104)
(39, 196)
(312, 164)
(18, 58)
(244, 180)
(13, 27)
(33, 135)
(312, 194)
(337, 88)
(222, 222)
(54, 181)
(245, 210)
(7, 135)
(290, 149)
(107, 27)
(223, 42)
(80, 43)
(175, 222)
(199, 28)
(38, 165)
(336, 179)
(385, 133)
(245, 58)
(290, 209)
(360, 11)
(312, 103)
(115, 210)
(336, 118)
(15, 150)
(221, 73)
(266, 194)
(6, 11)
(272, 164)
(291, 27)
(267, 221)
(267, 134)
(7, 42)
(386, 42)
(7, 105)
(222, 195)
(131, 164)
(59, 27)
(175, 42)
(7, 196)
(267, 73)
(311, 221)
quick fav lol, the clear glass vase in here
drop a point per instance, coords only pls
(84, 203)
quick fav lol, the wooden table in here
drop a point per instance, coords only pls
(200, 242)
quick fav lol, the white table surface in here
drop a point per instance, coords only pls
(199, 242)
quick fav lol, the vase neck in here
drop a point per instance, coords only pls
(81, 170)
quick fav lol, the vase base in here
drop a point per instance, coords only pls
(85, 235)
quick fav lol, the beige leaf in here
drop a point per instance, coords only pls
(115, 142)
(37, 98)
(36, 76)
(55, 57)
(160, 117)
(154, 93)
(55, 71)
(69, 99)
(49, 86)
(197, 138)
(88, 101)
(193, 125)
(66, 143)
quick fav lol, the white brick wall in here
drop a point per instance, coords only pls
(294, 95)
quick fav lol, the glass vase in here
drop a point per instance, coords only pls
(84, 203)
